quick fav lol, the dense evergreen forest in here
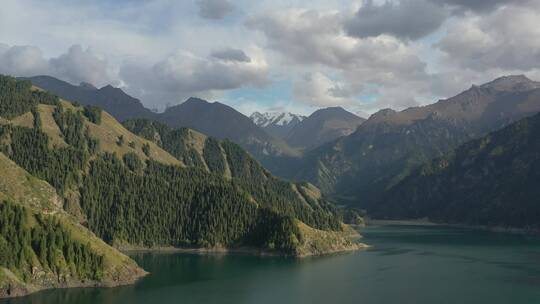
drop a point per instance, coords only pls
(130, 201)
(16, 97)
(245, 171)
(32, 240)
(172, 206)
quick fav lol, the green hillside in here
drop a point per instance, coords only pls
(491, 181)
(132, 193)
(230, 161)
(41, 246)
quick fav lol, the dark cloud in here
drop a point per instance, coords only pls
(230, 54)
(479, 6)
(410, 19)
(214, 9)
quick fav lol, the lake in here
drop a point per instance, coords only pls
(407, 264)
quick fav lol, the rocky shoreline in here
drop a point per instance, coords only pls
(11, 286)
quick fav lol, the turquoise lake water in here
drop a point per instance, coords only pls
(407, 264)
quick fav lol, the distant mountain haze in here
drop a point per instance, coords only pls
(113, 100)
(323, 126)
(213, 118)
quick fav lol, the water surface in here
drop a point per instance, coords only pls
(407, 264)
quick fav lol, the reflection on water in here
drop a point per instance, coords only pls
(407, 264)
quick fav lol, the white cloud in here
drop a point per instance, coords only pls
(184, 74)
(78, 65)
(316, 40)
(22, 60)
(316, 89)
(374, 54)
(507, 39)
(75, 66)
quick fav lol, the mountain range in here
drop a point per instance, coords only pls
(277, 124)
(352, 160)
(305, 133)
(356, 169)
(491, 181)
(113, 100)
(277, 140)
(323, 126)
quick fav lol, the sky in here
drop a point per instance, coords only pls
(274, 55)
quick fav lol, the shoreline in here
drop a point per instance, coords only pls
(426, 223)
(201, 250)
(237, 251)
(27, 289)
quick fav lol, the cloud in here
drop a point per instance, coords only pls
(22, 60)
(315, 40)
(78, 65)
(312, 37)
(75, 66)
(316, 89)
(184, 74)
(384, 53)
(230, 54)
(507, 39)
(408, 19)
(214, 9)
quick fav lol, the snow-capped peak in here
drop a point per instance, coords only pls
(275, 118)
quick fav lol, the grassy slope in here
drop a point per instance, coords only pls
(197, 141)
(22, 188)
(108, 132)
(25, 120)
(318, 242)
(49, 126)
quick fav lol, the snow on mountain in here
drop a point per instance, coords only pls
(275, 118)
(276, 123)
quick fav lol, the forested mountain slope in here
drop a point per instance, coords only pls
(358, 168)
(41, 246)
(491, 181)
(132, 193)
(212, 118)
